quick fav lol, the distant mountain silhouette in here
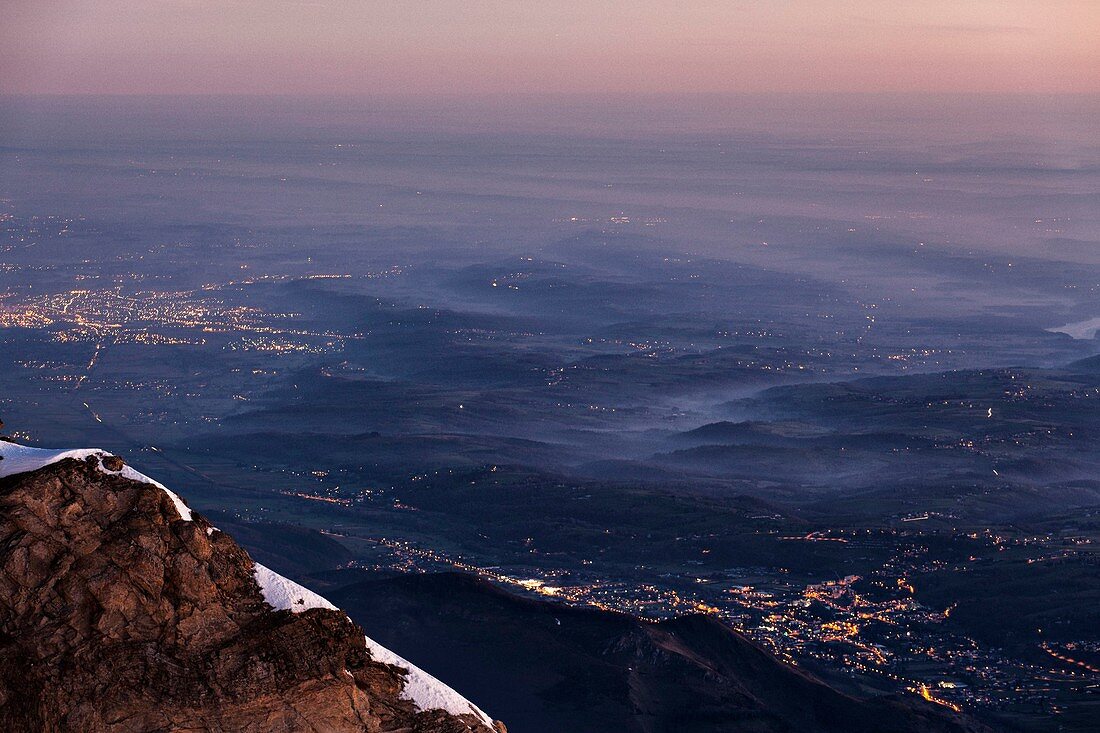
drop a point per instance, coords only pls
(546, 667)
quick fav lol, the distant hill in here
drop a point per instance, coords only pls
(551, 668)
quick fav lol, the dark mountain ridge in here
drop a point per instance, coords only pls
(563, 668)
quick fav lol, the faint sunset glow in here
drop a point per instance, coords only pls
(588, 46)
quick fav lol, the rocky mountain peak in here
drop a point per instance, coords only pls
(121, 609)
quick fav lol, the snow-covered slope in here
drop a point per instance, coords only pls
(425, 691)
(281, 593)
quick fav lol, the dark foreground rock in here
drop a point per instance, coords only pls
(118, 615)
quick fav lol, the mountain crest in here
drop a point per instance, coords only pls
(121, 609)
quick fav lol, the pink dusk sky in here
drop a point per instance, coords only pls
(565, 46)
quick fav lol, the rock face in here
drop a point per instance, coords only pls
(117, 613)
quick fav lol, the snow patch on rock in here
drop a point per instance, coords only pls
(284, 594)
(16, 458)
(423, 690)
